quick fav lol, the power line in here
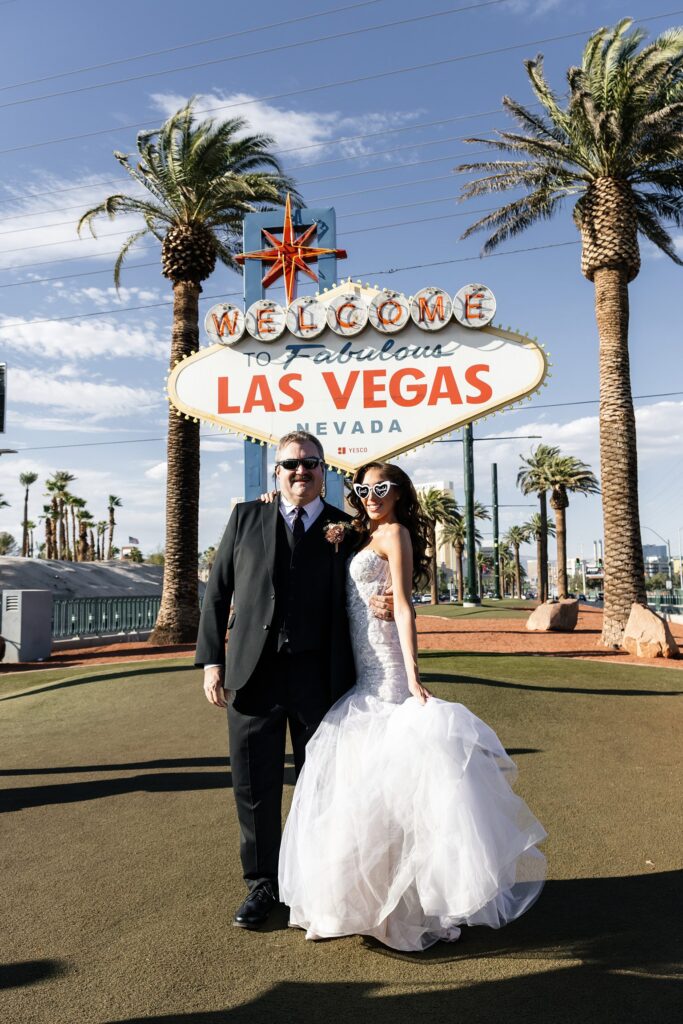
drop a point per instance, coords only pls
(145, 440)
(344, 234)
(251, 53)
(186, 46)
(413, 126)
(322, 163)
(222, 295)
(376, 76)
(317, 163)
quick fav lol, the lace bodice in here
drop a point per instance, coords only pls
(376, 647)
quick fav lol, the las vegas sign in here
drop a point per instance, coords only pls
(372, 372)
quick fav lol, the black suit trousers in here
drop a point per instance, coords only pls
(285, 689)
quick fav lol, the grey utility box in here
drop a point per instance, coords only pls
(27, 625)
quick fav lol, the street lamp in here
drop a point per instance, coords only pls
(668, 549)
(470, 597)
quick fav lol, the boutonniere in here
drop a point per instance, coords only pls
(335, 533)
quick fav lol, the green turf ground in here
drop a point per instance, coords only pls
(120, 869)
(508, 609)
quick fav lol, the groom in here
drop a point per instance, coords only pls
(288, 656)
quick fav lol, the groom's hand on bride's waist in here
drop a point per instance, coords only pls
(383, 606)
(214, 689)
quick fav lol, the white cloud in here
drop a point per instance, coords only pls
(85, 339)
(80, 398)
(43, 226)
(535, 7)
(157, 472)
(295, 131)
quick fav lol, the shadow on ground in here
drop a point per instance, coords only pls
(132, 673)
(21, 797)
(624, 930)
(29, 972)
(466, 679)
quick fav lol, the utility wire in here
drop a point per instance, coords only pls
(376, 76)
(343, 234)
(413, 126)
(323, 163)
(396, 23)
(317, 163)
(222, 295)
(186, 46)
(145, 440)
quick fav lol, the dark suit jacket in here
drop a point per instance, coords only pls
(245, 570)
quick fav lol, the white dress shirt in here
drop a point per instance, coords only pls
(310, 514)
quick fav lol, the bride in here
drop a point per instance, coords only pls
(403, 824)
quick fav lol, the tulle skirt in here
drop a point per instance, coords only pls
(404, 826)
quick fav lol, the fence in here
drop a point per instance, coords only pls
(666, 602)
(96, 616)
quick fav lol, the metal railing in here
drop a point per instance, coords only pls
(666, 601)
(99, 616)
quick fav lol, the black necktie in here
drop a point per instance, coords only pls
(298, 528)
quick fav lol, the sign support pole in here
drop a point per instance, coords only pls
(470, 597)
(256, 455)
(494, 514)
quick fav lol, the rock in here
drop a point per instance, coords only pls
(647, 635)
(560, 616)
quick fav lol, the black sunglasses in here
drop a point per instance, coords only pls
(310, 462)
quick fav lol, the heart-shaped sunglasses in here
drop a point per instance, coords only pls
(380, 490)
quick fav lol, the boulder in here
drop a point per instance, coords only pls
(560, 616)
(647, 635)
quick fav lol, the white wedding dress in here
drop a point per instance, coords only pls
(403, 824)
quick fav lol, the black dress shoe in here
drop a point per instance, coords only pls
(256, 908)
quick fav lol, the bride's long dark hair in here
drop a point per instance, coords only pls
(407, 511)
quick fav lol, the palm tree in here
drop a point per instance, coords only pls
(539, 528)
(75, 506)
(484, 562)
(101, 527)
(30, 526)
(616, 144)
(437, 507)
(85, 518)
(202, 178)
(3, 503)
(534, 479)
(57, 486)
(514, 538)
(47, 516)
(567, 474)
(506, 565)
(456, 535)
(112, 503)
(26, 479)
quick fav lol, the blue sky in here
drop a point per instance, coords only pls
(98, 375)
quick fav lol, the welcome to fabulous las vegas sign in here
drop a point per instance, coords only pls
(372, 372)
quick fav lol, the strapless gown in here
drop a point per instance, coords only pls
(403, 824)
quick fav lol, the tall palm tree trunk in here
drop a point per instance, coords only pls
(543, 549)
(518, 572)
(63, 540)
(561, 524)
(435, 568)
(179, 612)
(24, 534)
(458, 556)
(624, 571)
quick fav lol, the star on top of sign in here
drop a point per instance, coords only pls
(289, 254)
